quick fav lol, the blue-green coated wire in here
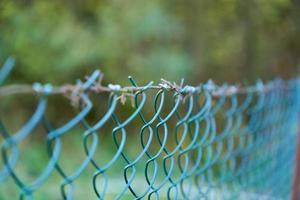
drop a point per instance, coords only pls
(204, 142)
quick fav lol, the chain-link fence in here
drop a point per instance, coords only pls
(174, 141)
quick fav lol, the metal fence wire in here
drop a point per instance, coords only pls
(175, 141)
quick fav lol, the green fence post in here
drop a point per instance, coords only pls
(296, 183)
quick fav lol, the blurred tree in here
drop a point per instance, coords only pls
(232, 40)
(56, 42)
(236, 40)
(141, 38)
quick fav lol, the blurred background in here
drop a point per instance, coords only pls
(59, 41)
(226, 40)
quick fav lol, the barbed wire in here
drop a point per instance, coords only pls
(94, 84)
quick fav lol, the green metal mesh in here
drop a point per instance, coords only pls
(174, 142)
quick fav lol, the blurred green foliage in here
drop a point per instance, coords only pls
(58, 41)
